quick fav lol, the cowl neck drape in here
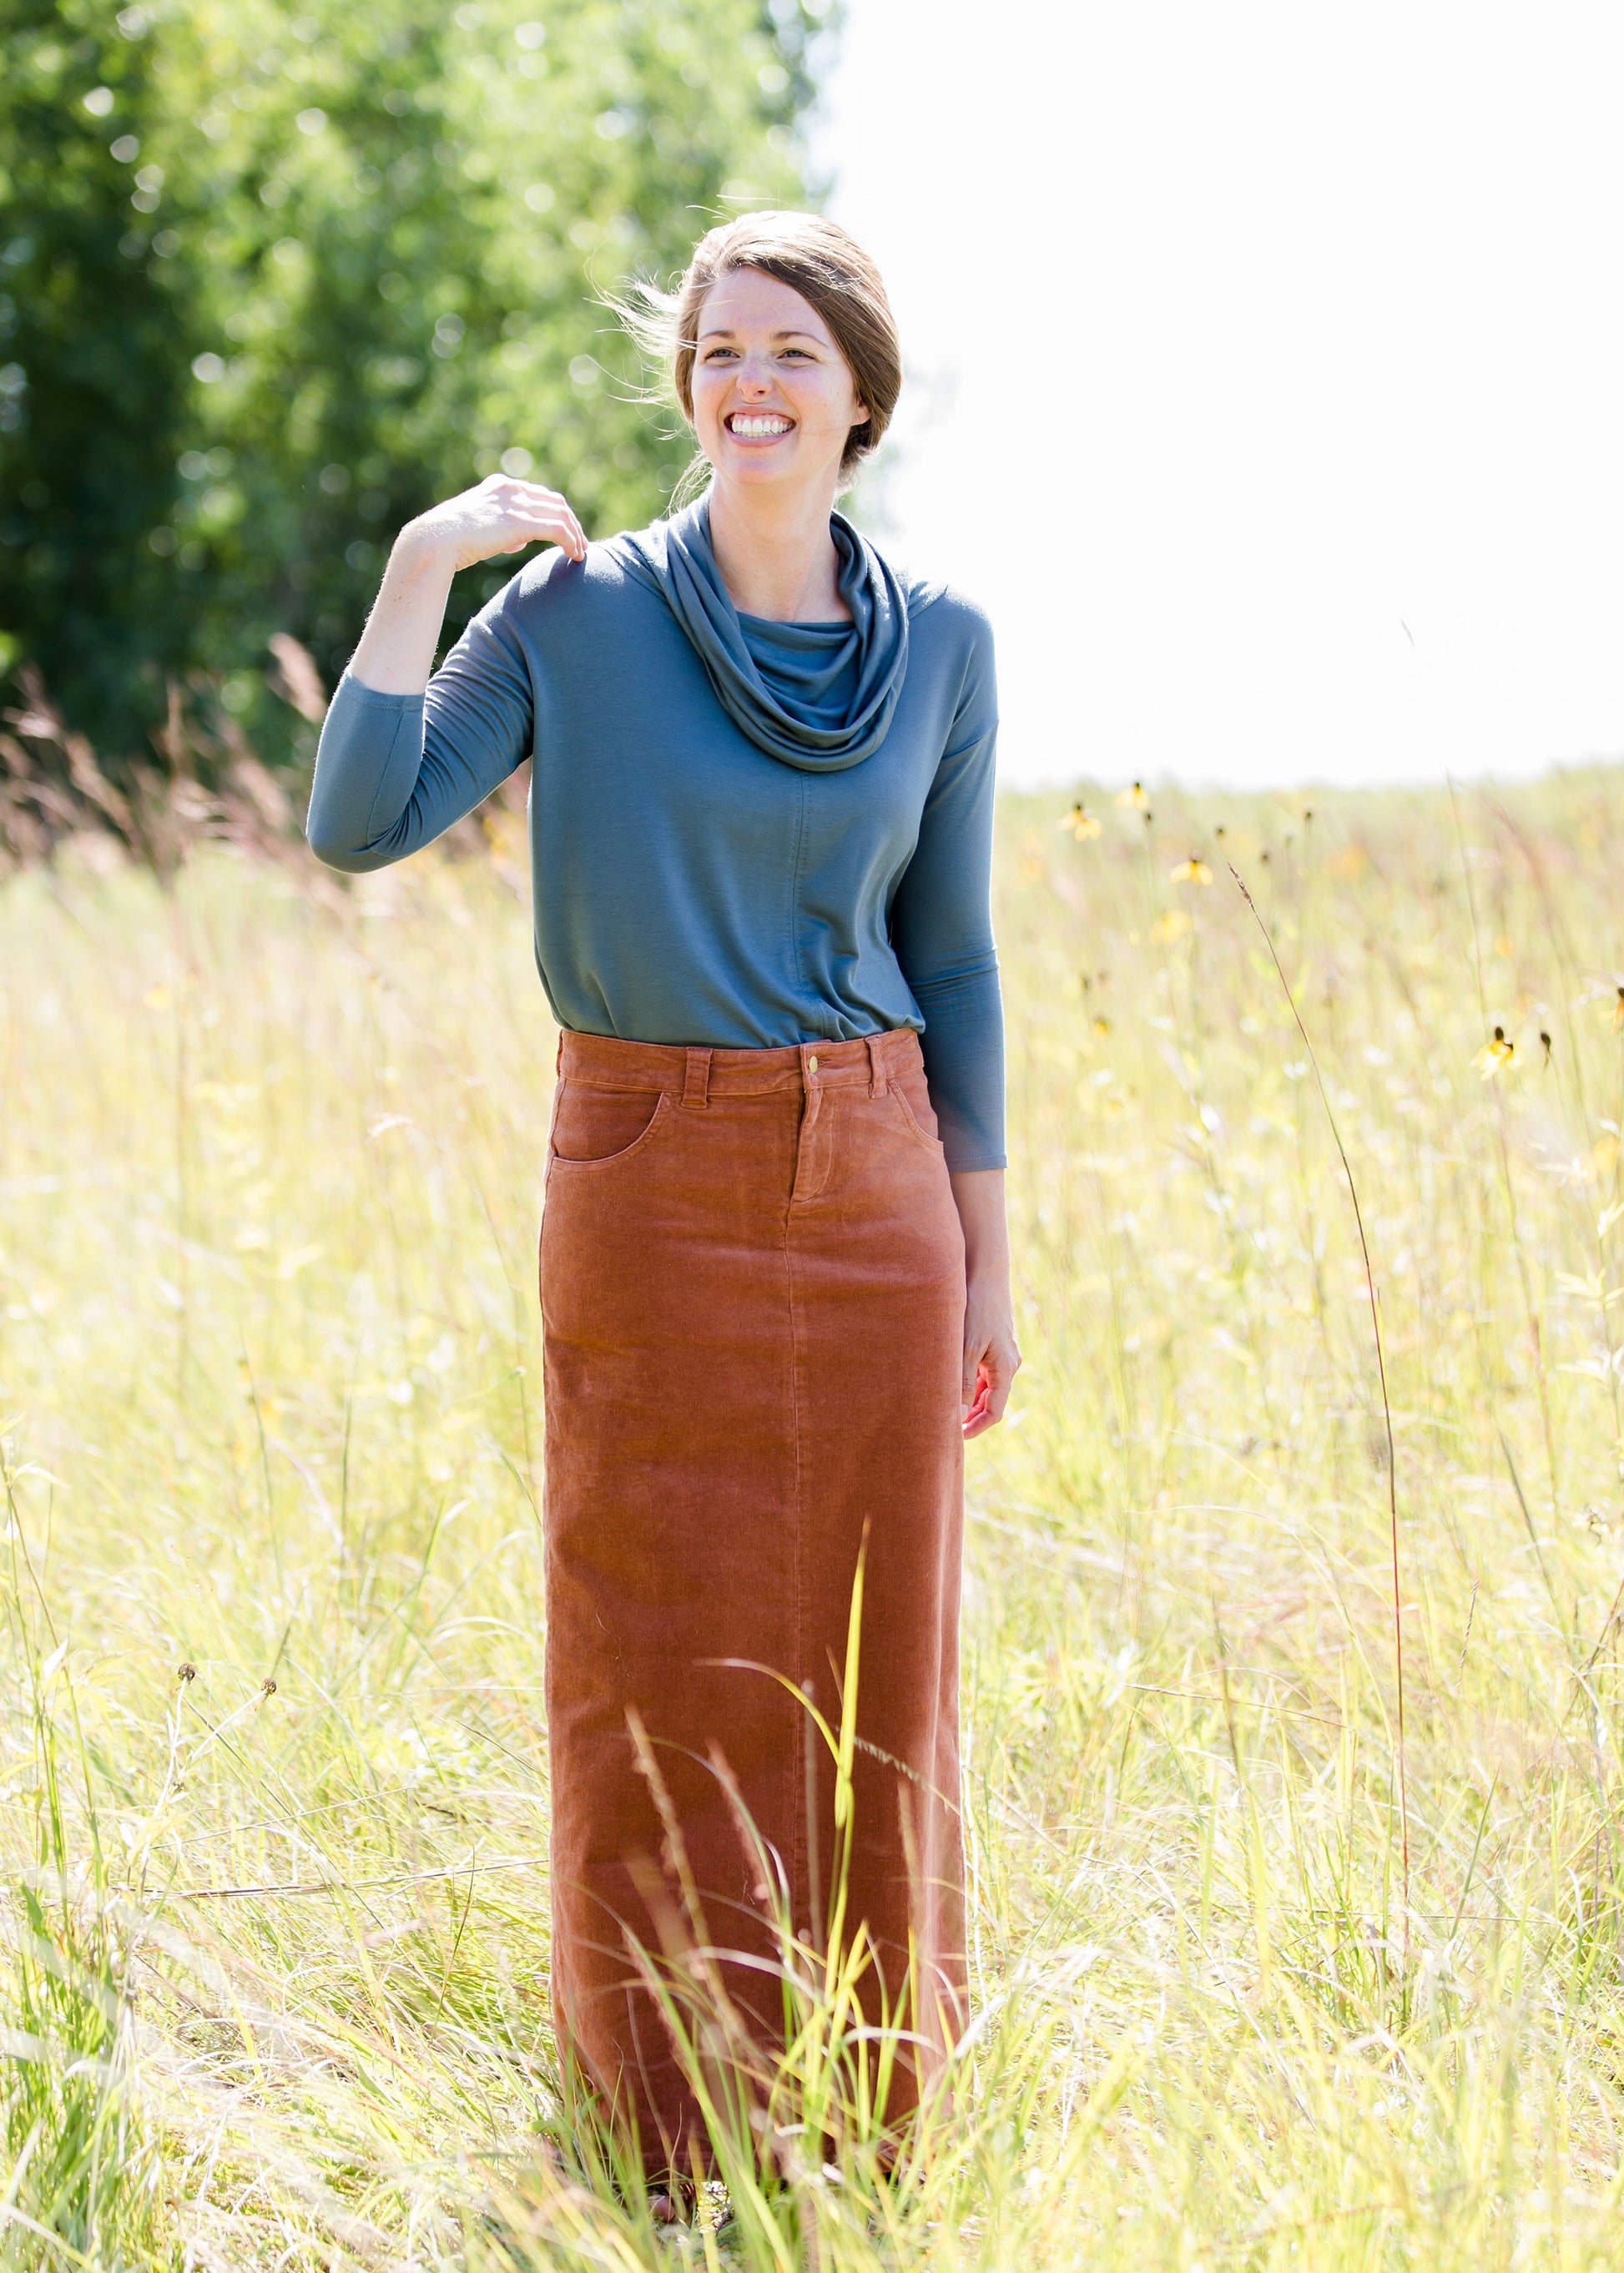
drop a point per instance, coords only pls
(825, 698)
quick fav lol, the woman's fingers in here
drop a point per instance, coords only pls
(991, 1366)
(1000, 1379)
(545, 518)
(974, 1415)
(530, 525)
(504, 515)
(557, 507)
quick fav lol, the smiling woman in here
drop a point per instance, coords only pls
(774, 1271)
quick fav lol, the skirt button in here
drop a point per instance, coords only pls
(811, 1065)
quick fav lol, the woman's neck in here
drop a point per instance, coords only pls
(776, 555)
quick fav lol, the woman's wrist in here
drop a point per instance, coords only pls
(986, 1284)
(421, 549)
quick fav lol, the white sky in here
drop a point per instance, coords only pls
(1241, 338)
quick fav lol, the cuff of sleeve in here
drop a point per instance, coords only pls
(355, 691)
(966, 1158)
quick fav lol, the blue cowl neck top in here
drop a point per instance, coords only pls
(818, 696)
(743, 833)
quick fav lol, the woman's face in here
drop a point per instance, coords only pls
(773, 396)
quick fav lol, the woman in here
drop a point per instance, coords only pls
(774, 1268)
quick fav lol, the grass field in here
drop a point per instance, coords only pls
(1255, 1989)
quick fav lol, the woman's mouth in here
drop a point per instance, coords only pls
(757, 425)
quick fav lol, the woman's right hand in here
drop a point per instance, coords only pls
(396, 650)
(498, 514)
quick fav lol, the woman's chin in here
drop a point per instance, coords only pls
(744, 464)
(764, 469)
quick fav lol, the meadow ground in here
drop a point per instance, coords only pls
(273, 1790)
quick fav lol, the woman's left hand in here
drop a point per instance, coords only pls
(992, 1358)
(991, 1361)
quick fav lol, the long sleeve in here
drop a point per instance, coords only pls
(941, 928)
(393, 771)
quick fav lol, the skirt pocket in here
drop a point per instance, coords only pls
(596, 1128)
(918, 1119)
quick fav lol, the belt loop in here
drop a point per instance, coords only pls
(876, 1066)
(557, 1062)
(696, 1078)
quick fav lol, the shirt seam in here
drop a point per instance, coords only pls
(383, 778)
(365, 693)
(803, 985)
(963, 749)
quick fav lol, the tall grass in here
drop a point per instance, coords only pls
(273, 1784)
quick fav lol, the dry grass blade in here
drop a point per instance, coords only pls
(1386, 1407)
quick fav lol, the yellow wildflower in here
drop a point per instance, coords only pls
(1169, 927)
(1082, 823)
(1495, 1054)
(1133, 796)
(1193, 871)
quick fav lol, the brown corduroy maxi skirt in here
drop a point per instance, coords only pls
(752, 1284)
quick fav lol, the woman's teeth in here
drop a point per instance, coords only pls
(762, 423)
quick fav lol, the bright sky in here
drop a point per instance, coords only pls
(1266, 370)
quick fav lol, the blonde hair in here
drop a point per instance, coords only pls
(832, 274)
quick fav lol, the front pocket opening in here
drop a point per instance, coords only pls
(592, 1126)
(911, 1120)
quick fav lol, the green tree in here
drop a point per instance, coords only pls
(279, 274)
(92, 412)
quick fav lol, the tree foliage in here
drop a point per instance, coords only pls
(275, 274)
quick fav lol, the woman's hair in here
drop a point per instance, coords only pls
(831, 272)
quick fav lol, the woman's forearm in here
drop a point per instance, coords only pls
(978, 1193)
(395, 655)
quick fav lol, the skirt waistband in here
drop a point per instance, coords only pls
(693, 1075)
